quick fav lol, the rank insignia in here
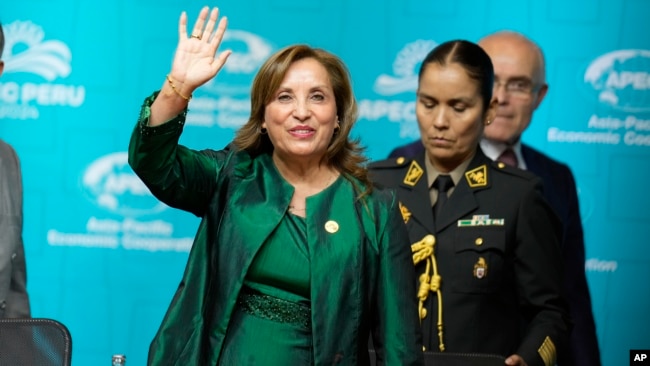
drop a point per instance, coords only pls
(480, 268)
(548, 352)
(414, 174)
(477, 177)
(406, 214)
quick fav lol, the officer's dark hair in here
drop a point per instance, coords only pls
(471, 57)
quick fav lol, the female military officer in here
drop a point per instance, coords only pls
(488, 258)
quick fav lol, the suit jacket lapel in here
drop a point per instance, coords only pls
(533, 163)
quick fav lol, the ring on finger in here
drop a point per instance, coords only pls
(195, 36)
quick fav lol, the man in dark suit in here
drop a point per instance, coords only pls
(520, 87)
(14, 302)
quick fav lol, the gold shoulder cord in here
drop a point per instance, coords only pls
(424, 250)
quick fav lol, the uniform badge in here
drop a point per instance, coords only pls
(414, 174)
(406, 214)
(481, 220)
(480, 268)
(477, 177)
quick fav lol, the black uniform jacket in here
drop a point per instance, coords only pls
(497, 254)
(561, 192)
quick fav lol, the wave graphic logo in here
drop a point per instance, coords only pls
(49, 59)
(255, 51)
(405, 69)
(622, 79)
(110, 183)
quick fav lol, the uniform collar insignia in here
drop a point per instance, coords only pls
(414, 174)
(406, 214)
(477, 177)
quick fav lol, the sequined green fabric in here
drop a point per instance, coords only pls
(273, 308)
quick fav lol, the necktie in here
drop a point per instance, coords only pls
(442, 183)
(508, 157)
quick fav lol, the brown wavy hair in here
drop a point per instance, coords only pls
(344, 154)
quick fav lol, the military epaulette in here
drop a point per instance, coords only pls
(391, 163)
(507, 169)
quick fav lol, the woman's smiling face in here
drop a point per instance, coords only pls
(301, 118)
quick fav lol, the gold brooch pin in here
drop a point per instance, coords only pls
(331, 226)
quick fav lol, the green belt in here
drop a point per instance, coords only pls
(273, 308)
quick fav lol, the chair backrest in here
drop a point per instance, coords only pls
(34, 341)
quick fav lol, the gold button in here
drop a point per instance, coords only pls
(331, 226)
(424, 349)
(501, 165)
(478, 241)
(400, 160)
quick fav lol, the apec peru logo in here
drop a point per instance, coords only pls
(48, 59)
(110, 184)
(622, 79)
(32, 59)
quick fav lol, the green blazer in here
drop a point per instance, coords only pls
(362, 276)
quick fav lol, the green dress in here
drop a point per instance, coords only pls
(271, 323)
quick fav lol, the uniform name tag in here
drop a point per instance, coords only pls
(481, 220)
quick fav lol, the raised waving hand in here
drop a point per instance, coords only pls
(195, 62)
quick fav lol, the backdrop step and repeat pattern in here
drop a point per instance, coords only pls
(104, 257)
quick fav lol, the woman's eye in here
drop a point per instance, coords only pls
(318, 97)
(428, 104)
(459, 108)
(284, 97)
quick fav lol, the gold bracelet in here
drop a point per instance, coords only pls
(171, 83)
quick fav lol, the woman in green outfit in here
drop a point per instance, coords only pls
(297, 259)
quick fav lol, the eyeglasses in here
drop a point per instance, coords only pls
(517, 87)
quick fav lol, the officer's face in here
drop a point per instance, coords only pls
(450, 114)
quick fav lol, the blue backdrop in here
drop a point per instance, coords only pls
(105, 257)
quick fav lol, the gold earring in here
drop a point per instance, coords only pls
(487, 123)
